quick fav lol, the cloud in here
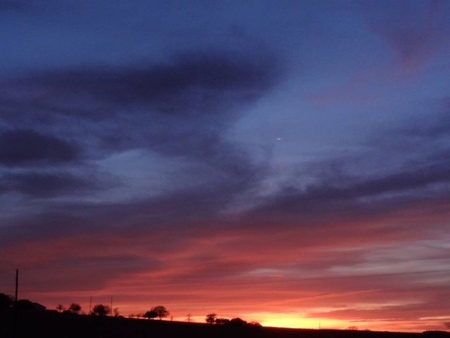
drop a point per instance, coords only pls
(227, 174)
(48, 184)
(177, 108)
(357, 198)
(432, 129)
(187, 82)
(415, 34)
(401, 166)
(27, 147)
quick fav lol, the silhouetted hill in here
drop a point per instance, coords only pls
(51, 324)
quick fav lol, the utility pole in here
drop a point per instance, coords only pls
(16, 305)
(17, 286)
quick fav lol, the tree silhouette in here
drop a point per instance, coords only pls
(255, 324)
(150, 314)
(161, 311)
(60, 308)
(221, 321)
(5, 301)
(237, 322)
(116, 312)
(25, 305)
(211, 318)
(101, 310)
(74, 308)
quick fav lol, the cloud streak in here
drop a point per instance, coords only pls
(28, 148)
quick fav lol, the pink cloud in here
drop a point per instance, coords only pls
(414, 37)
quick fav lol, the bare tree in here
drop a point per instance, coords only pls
(60, 308)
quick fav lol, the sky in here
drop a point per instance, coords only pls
(286, 162)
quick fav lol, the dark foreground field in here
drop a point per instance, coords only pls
(49, 325)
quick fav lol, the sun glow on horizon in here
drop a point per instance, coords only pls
(295, 321)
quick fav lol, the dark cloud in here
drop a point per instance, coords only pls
(190, 83)
(224, 178)
(418, 171)
(177, 108)
(47, 184)
(27, 147)
(185, 207)
(357, 197)
(422, 134)
(433, 128)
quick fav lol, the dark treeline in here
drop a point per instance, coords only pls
(25, 319)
